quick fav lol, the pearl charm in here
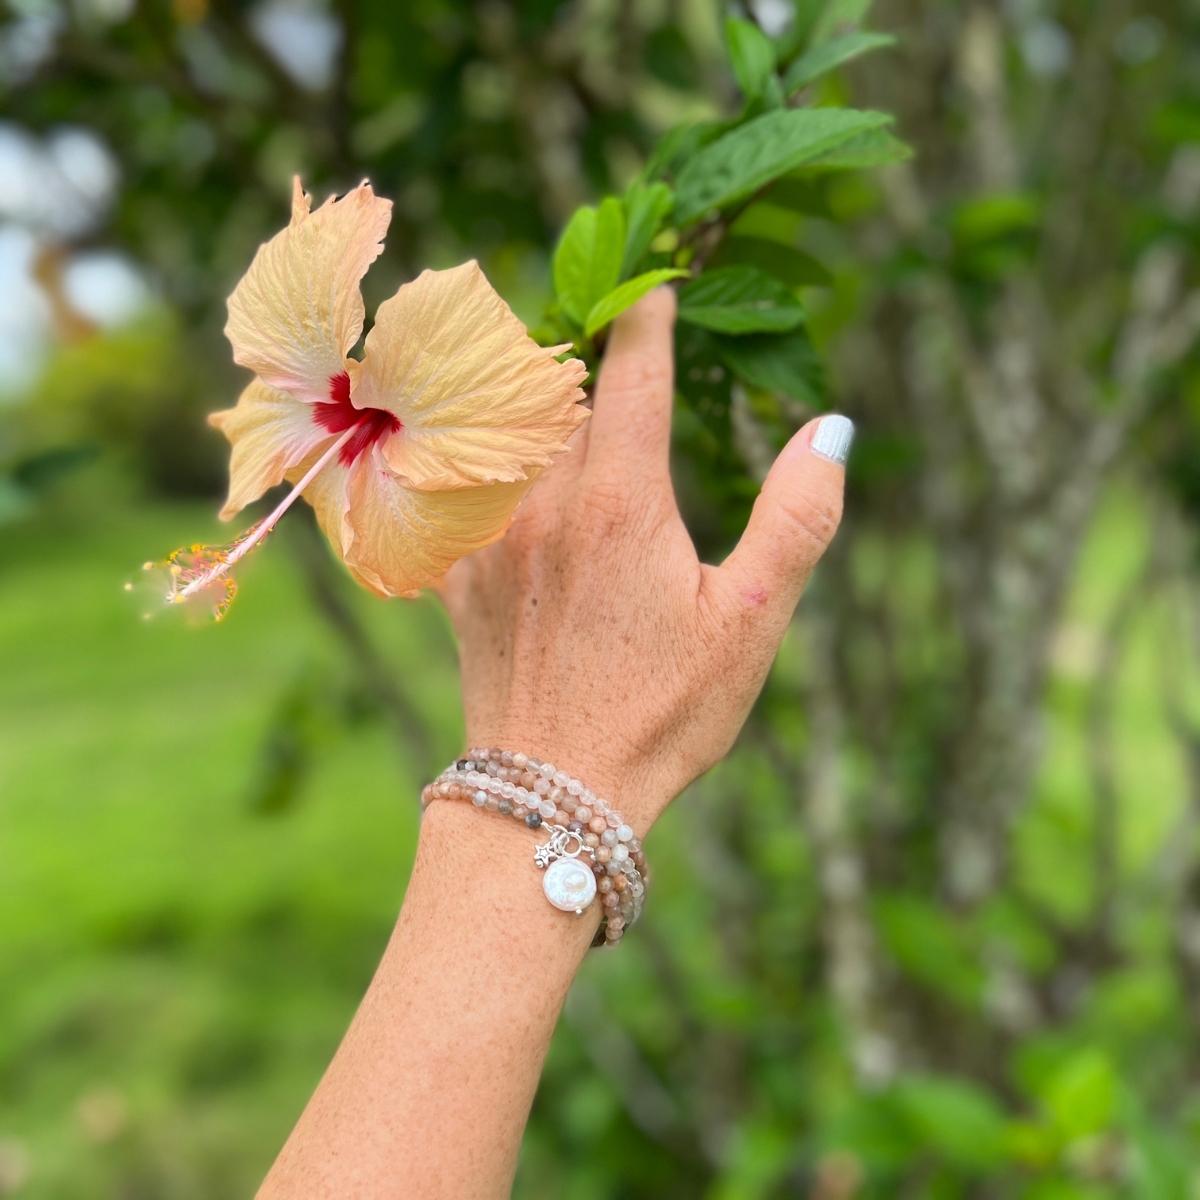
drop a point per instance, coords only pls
(569, 885)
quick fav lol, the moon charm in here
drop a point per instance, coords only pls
(569, 885)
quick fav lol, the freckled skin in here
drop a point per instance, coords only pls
(591, 636)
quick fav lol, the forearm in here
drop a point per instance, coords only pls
(430, 1090)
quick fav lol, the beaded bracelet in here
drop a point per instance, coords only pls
(581, 827)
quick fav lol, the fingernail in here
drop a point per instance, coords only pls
(833, 437)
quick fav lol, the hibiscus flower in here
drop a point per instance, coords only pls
(412, 456)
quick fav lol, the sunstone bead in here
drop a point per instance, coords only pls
(583, 813)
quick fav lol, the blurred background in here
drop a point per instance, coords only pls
(934, 930)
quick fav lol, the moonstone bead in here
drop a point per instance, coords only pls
(620, 852)
(624, 833)
(609, 837)
(547, 809)
(479, 799)
(574, 787)
(547, 770)
(541, 786)
(520, 760)
(561, 778)
(583, 813)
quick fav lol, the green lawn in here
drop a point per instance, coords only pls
(176, 965)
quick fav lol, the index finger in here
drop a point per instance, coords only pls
(630, 430)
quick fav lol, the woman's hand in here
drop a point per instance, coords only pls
(592, 636)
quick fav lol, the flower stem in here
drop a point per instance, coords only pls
(270, 520)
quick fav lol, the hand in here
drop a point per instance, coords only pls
(592, 636)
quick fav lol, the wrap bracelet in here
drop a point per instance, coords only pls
(591, 850)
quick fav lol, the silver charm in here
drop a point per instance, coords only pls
(568, 883)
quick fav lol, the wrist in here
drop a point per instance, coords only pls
(625, 778)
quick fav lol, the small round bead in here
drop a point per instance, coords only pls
(620, 852)
(603, 854)
(604, 883)
(533, 820)
(520, 760)
(620, 883)
(547, 809)
(625, 833)
(505, 807)
(461, 765)
(613, 819)
(541, 786)
(574, 787)
(596, 825)
(583, 813)
(547, 770)
(609, 837)
(561, 778)
(610, 900)
(527, 778)
(506, 758)
(591, 840)
(479, 799)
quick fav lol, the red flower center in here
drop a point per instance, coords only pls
(369, 424)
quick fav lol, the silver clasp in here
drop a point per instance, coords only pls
(555, 846)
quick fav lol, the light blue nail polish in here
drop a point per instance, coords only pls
(833, 438)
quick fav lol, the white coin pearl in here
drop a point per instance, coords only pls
(569, 884)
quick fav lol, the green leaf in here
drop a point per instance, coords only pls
(793, 266)
(782, 363)
(957, 1120)
(621, 298)
(875, 148)
(1081, 1096)
(839, 14)
(752, 155)
(646, 205)
(930, 947)
(828, 55)
(587, 261)
(750, 54)
(740, 299)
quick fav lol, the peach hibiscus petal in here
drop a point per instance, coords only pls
(298, 309)
(403, 540)
(270, 432)
(479, 399)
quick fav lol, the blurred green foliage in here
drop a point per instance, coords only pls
(932, 931)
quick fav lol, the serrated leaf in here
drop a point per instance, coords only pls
(587, 260)
(750, 54)
(794, 267)
(828, 55)
(629, 293)
(752, 155)
(875, 148)
(782, 363)
(738, 300)
(646, 205)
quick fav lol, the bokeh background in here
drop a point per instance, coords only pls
(934, 930)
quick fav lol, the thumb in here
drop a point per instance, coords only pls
(794, 518)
